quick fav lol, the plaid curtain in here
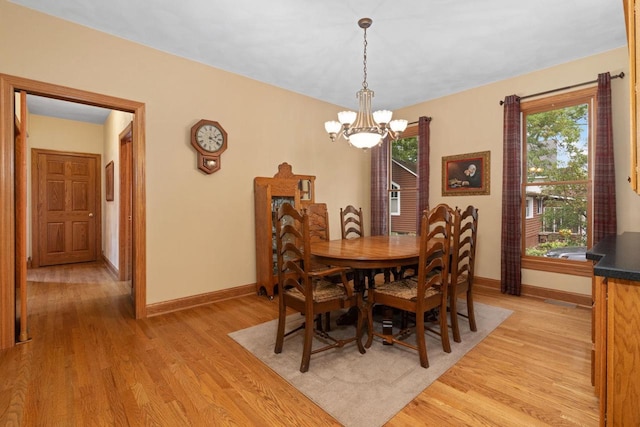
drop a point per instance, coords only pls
(604, 183)
(511, 246)
(423, 168)
(379, 189)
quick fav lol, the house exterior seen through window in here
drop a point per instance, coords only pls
(403, 185)
(556, 178)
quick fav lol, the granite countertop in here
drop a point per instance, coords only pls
(617, 257)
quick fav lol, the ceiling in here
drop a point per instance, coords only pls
(66, 110)
(417, 49)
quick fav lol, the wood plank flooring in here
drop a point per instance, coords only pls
(90, 363)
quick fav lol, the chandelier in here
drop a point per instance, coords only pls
(365, 129)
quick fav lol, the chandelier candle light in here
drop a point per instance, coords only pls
(364, 129)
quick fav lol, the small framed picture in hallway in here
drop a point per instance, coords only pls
(108, 179)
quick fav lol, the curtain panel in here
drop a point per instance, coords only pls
(380, 189)
(423, 168)
(604, 183)
(511, 241)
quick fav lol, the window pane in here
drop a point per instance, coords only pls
(403, 195)
(394, 200)
(559, 230)
(558, 144)
(557, 151)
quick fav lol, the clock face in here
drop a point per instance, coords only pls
(209, 137)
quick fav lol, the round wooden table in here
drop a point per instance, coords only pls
(368, 253)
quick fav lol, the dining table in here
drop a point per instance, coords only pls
(367, 254)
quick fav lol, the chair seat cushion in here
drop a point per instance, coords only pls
(324, 290)
(405, 289)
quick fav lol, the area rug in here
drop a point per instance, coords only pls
(364, 389)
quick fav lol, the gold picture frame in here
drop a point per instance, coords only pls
(466, 174)
(108, 173)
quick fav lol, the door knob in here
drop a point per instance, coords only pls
(90, 214)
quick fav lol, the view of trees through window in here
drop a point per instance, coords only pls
(403, 186)
(556, 172)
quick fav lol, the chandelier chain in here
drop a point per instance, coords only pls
(365, 85)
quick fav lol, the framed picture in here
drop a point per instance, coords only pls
(466, 174)
(108, 173)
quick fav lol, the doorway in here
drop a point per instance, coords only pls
(125, 266)
(9, 170)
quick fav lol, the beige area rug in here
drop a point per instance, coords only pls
(364, 389)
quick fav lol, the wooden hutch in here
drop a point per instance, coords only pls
(269, 194)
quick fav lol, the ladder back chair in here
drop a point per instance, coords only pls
(423, 292)
(318, 221)
(319, 232)
(306, 290)
(352, 227)
(351, 222)
(465, 235)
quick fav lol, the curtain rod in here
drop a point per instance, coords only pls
(621, 75)
(417, 121)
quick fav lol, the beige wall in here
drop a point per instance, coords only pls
(61, 135)
(200, 228)
(471, 121)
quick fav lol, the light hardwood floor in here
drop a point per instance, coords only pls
(90, 363)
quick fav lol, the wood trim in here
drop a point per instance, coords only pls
(125, 135)
(538, 292)
(198, 300)
(410, 131)
(7, 216)
(574, 268)
(112, 268)
(8, 85)
(21, 216)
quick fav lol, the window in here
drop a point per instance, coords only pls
(529, 208)
(557, 181)
(394, 199)
(403, 183)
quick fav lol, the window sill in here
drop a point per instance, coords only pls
(575, 268)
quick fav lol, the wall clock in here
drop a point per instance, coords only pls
(209, 140)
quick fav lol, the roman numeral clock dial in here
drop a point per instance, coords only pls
(209, 140)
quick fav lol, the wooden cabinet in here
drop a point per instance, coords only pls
(617, 348)
(632, 17)
(269, 194)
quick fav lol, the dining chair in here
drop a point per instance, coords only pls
(465, 235)
(307, 290)
(318, 221)
(351, 222)
(319, 232)
(423, 292)
(352, 227)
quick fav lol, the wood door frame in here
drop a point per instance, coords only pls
(35, 214)
(9, 208)
(125, 193)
